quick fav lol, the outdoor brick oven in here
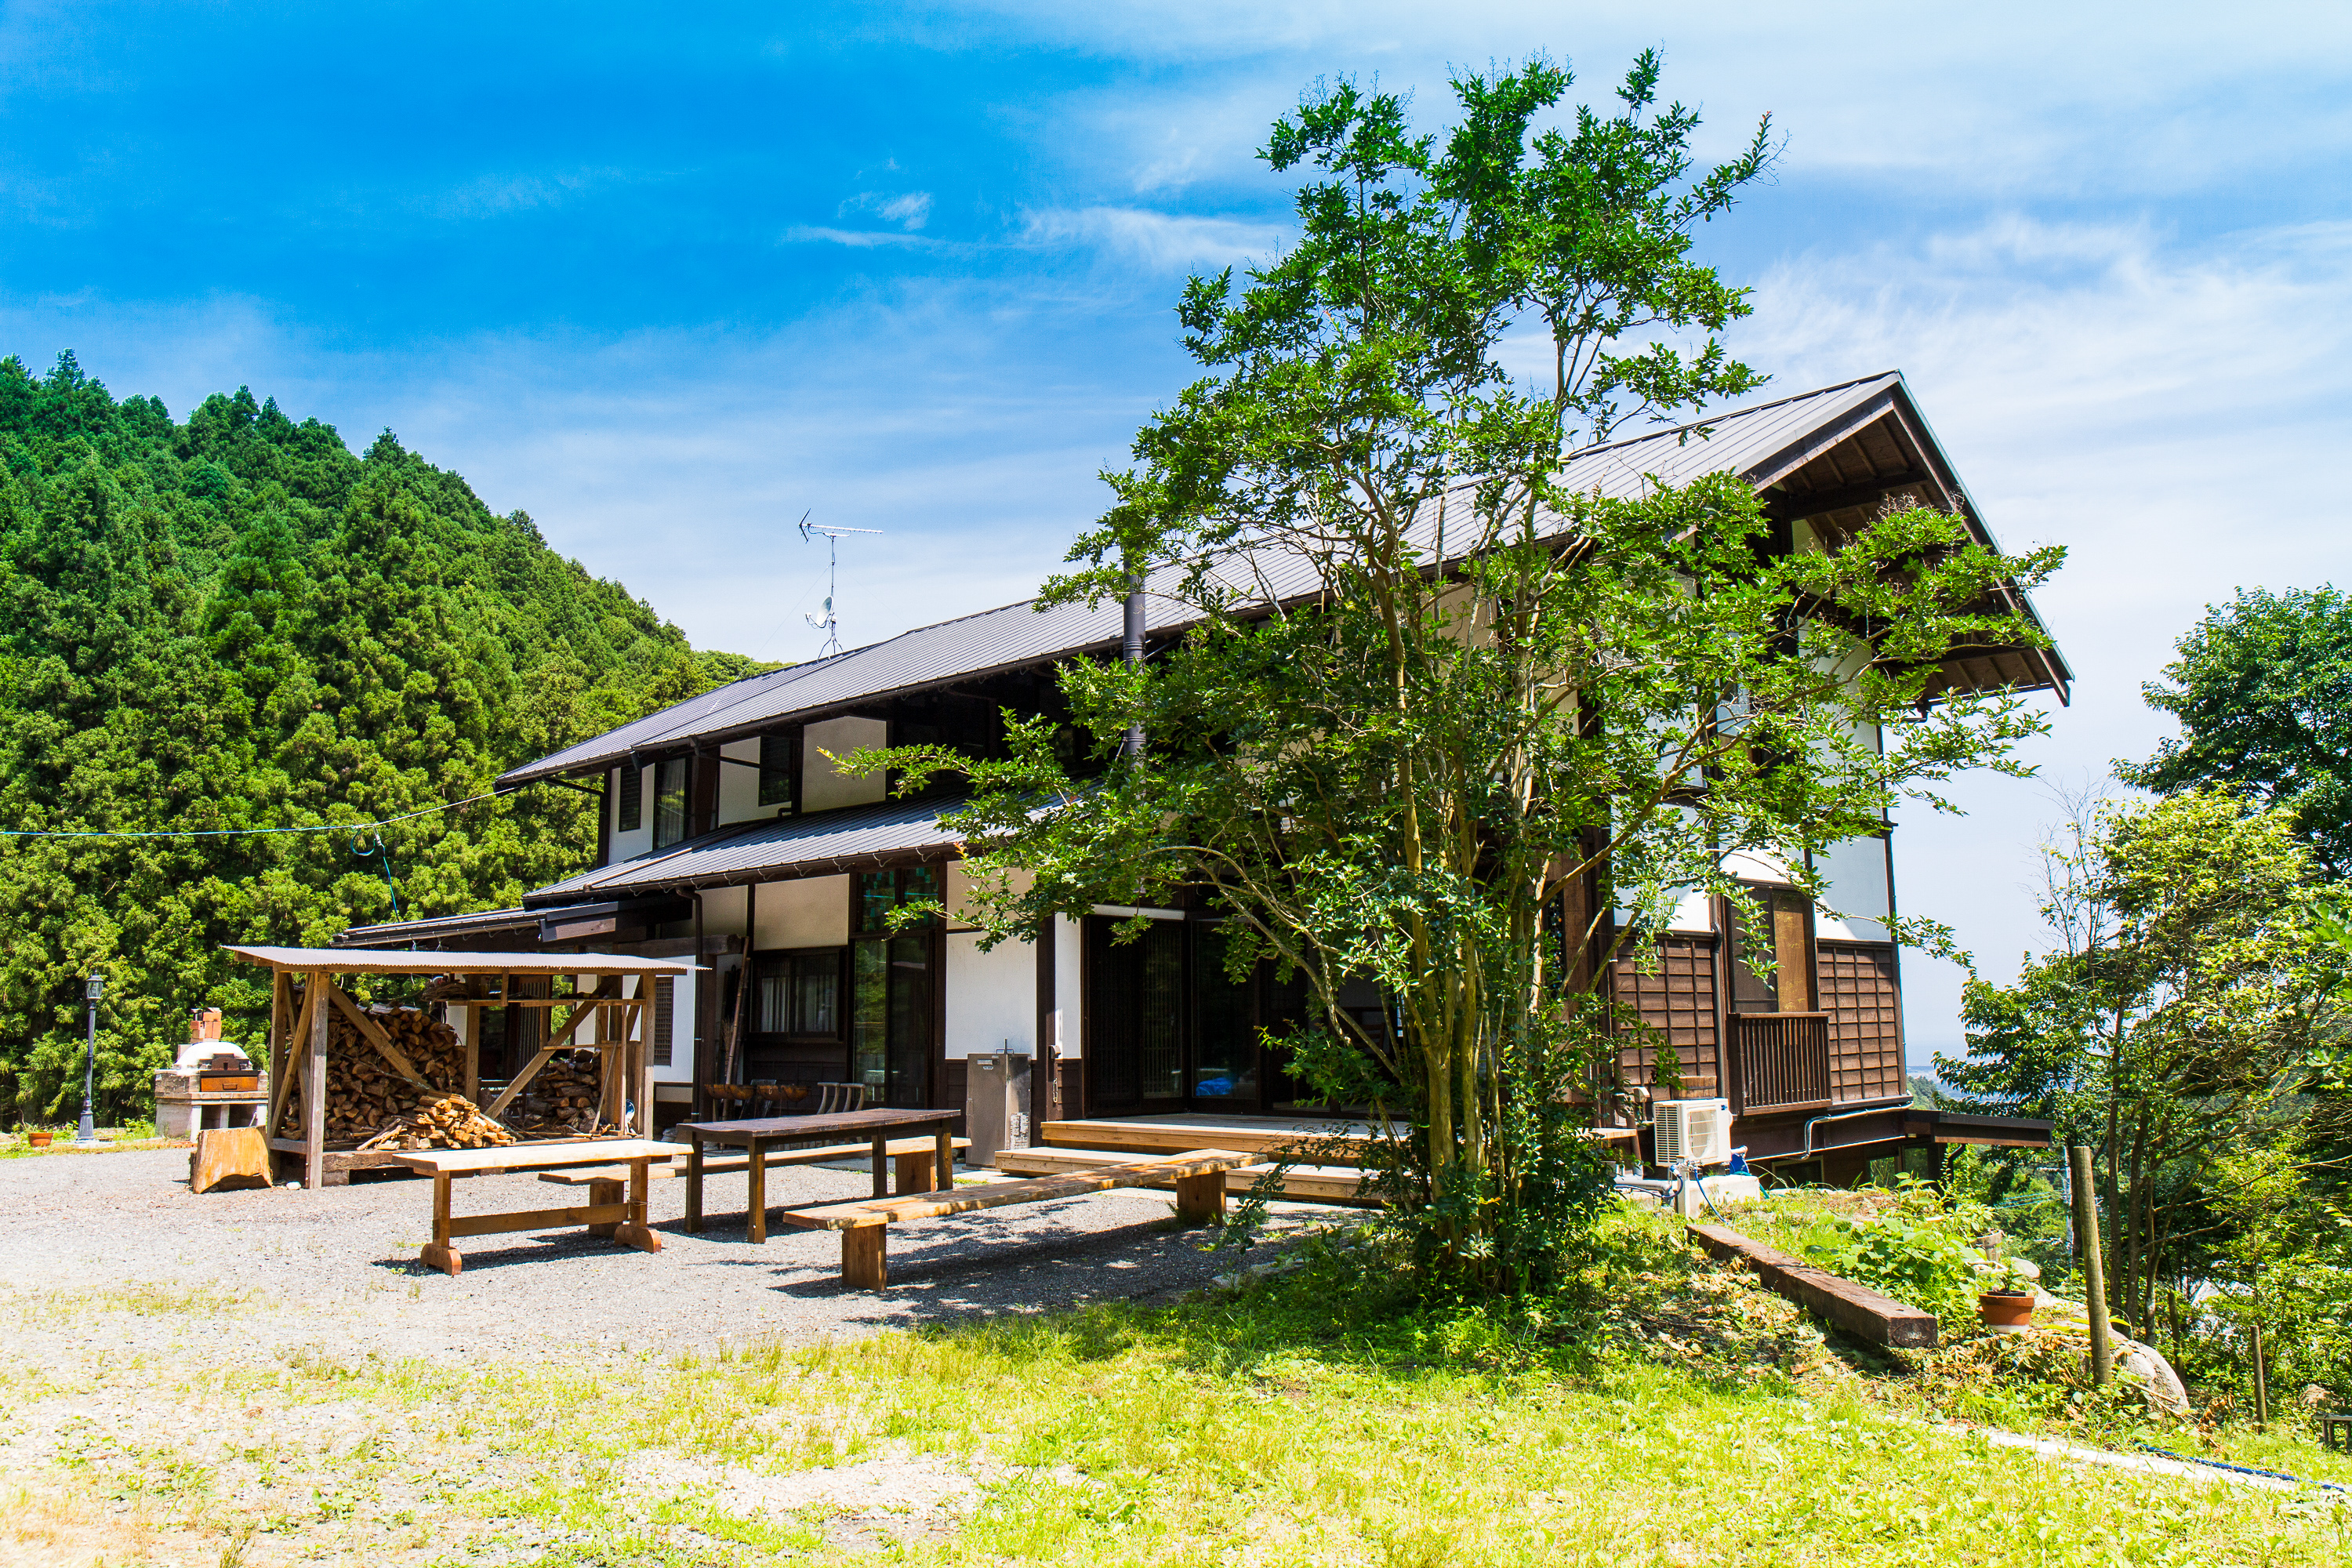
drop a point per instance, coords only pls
(209, 1084)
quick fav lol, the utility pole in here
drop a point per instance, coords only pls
(2094, 1273)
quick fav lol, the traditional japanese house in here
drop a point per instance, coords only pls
(727, 833)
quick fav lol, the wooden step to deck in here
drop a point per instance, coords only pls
(1300, 1184)
(1255, 1135)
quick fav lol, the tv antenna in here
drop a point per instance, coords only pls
(829, 625)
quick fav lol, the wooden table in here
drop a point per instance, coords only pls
(756, 1136)
(624, 1222)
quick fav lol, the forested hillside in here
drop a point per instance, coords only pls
(234, 623)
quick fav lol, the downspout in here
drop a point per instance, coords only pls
(1131, 650)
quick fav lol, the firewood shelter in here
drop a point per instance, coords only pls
(603, 1011)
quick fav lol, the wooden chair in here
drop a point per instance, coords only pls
(838, 1097)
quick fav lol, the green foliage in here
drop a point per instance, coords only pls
(236, 623)
(1397, 782)
(1915, 1259)
(2262, 689)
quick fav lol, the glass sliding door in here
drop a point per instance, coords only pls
(893, 983)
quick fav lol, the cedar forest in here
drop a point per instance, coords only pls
(233, 623)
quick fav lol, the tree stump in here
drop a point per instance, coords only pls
(228, 1158)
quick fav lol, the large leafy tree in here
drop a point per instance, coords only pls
(237, 624)
(1428, 693)
(2262, 689)
(2187, 999)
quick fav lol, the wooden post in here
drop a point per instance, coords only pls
(913, 1174)
(881, 1164)
(438, 1253)
(473, 1015)
(2262, 1383)
(693, 1182)
(314, 1088)
(2094, 1273)
(759, 1184)
(604, 1191)
(1202, 1198)
(943, 1152)
(864, 1257)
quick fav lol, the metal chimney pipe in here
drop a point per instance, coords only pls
(1131, 648)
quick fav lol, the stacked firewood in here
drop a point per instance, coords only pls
(562, 1097)
(366, 1093)
(445, 1122)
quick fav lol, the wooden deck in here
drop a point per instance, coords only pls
(1300, 1184)
(1329, 1142)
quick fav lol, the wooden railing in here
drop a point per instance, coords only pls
(1781, 1060)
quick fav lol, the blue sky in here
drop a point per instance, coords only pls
(667, 284)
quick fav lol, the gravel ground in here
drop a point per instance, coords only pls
(337, 1266)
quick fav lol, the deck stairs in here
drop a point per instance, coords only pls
(1333, 1177)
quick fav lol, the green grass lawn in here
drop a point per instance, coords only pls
(1301, 1421)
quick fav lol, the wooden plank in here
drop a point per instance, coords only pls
(1044, 1189)
(1169, 1138)
(1201, 1198)
(1856, 1309)
(545, 1054)
(539, 1220)
(537, 1156)
(725, 1163)
(1301, 1183)
(314, 1092)
(372, 1033)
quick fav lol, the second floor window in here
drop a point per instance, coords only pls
(632, 812)
(669, 803)
(776, 770)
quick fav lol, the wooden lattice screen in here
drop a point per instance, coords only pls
(1676, 996)
(1866, 1009)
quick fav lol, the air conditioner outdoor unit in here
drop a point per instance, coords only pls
(1694, 1130)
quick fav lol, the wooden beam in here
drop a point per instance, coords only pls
(1856, 1309)
(1820, 503)
(546, 1053)
(372, 1033)
(314, 1089)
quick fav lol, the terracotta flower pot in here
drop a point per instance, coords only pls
(39, 1140)
(2006, 1309)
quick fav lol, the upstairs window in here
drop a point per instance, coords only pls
(779, 772)
(633, 799)
(669, 803)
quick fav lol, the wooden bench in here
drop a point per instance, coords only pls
(1199, 1176)
(624, 1222)
(910, 1158)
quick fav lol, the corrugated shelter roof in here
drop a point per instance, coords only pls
(439, 928)
(862, 839)
(1764, 445)
(361, 961)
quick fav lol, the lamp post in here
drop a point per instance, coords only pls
(87, 1138)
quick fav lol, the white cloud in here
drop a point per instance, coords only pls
(1156, 240)
(856, 238)
(910, 211)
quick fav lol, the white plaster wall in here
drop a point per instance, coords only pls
(1694, 910)
(629, 845)
(991, 996)
(1069, 955)
(739, 786)
(681, 1034)
(823, 786)
(957, 892)
(1859, 894)
(722, 912)
(812, 912)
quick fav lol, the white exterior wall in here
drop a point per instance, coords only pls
(629, 845)
(991, 1000)
(823, 786)
(1859, 892)
(811, 911)
(739, 786)
(1069, 955)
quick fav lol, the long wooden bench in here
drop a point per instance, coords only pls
(911, 1161)
(1199, 1175)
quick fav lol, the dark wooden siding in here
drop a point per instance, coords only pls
(1866, 1009)
(1677, 998)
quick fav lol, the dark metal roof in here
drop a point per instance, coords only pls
(859, 839)
(1764, 445)
(439, 928)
